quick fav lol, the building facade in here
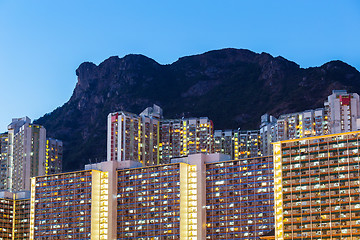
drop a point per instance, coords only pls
(22, 216)
(239, 198)
(341, 113)
(165, 201)
(70, 206)
(4, 169)
(7, 215)
(303, 124)
(195, 197)
(149, 202)
(133, 137)
(182, 137)
(238, 144)
(268, 134)
(54, 156)
(151, 140)
(26, 153)
(247, 144)
(15, 215)
(316, 186)
(224, 142)
(343, 110)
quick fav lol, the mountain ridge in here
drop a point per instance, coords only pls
(233, 87)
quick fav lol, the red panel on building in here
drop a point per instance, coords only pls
(345, 100)
(114, 117)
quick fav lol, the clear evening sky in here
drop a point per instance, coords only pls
(42, 42)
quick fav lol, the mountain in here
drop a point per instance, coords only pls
(233, 87)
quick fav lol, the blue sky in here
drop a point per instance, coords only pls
(43, 42)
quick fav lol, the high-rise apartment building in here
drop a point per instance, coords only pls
(164, 201)
(70, 206)
(148, 203)
(170, 144)
(287, 126)
(53, 156)
(133, 137)
(267, 133)
(4, 172)
(26, 153)
(303, 124)
(157, 203)
(316, 186)
(22, 216)
(247, 144)
(181, 137)
(7, 215)
(343, 110)
(118, 200)
(239, 198)
(341, 113)
(149, 139)
(197, 197)
(314, 123)
(238, 144)
(224, 142)
(15, 215)
(200, 196)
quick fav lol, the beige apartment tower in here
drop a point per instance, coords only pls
(26, 153)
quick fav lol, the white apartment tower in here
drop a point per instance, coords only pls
(134, 137)
(26, 153)
(343, 111)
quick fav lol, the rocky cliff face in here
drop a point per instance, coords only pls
(233, 87)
